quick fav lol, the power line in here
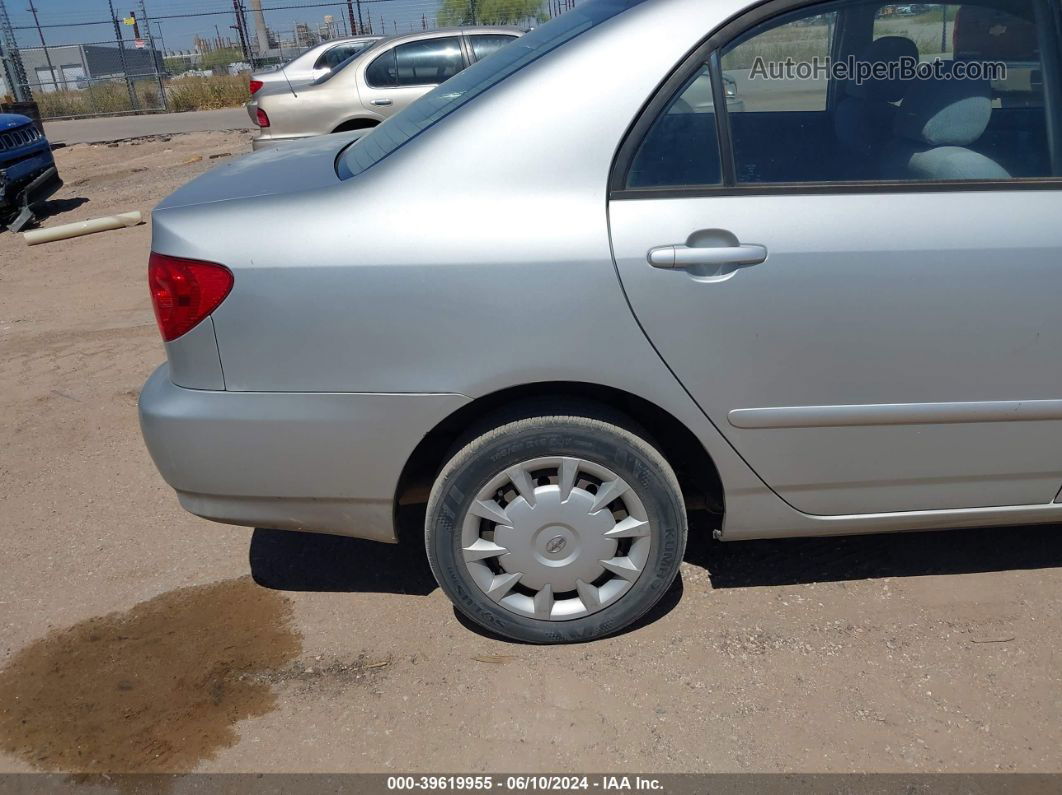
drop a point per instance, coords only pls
(193, 14)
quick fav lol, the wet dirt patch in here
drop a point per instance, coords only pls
(155, 689)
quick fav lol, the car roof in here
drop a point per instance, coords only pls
(464, 29)
(324, 45)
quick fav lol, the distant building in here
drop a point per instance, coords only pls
(329, 30)
(304, 37)
(74, 65)
(182, 60)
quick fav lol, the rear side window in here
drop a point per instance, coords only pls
(335, 56)
(428, 62)
(381, 72)
(482, 46)
(681, 147)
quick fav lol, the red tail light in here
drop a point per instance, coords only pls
(263, 120)
(184, 291)
(255, 85)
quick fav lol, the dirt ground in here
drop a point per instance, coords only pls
(135, 637)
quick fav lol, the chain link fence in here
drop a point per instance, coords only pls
(104, 60)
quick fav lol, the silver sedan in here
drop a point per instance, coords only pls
(575, 295)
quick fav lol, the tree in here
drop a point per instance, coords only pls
(490, 12)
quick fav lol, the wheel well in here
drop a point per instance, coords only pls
(697, 474)
(355, 124)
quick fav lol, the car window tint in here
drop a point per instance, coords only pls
(949, 118)
(975, 33)
(482, 46)
(381, 72)
(681, 147)
(801, 40)
(335, 56)
(428, 62)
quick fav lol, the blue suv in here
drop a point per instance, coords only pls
(27, 170)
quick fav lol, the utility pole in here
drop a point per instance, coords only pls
(47, 56)
(157, 61)
(162, 41)
(472, 5)
(237, 6)
(133, 102)
(10, 61)
(350, 15)
(247, 35)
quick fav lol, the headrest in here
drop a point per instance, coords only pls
(941, 111)
(890, 50)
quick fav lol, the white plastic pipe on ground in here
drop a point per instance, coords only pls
(79, 228)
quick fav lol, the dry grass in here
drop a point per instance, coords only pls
(207, 93)
(189, 93)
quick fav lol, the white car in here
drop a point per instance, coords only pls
(315, 63)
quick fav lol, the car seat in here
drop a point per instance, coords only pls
(937, 120)
(864, 118)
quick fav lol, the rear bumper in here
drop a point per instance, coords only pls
(317, 462)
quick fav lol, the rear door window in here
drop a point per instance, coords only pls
(803, 40)
(860, 91)
(428, 62)
(971, 108)
(381, 72)
(975, 33)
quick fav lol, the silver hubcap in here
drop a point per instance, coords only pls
(555, 538)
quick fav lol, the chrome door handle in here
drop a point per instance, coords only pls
(380, 101)
(686, 256)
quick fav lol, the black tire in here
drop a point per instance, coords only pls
(604, 443)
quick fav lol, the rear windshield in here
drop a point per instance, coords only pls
(466, 86)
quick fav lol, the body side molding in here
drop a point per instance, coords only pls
(896, 414)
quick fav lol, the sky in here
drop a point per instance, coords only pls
(64, 21)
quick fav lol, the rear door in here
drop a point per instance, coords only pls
(867, 344)
(408, 71)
